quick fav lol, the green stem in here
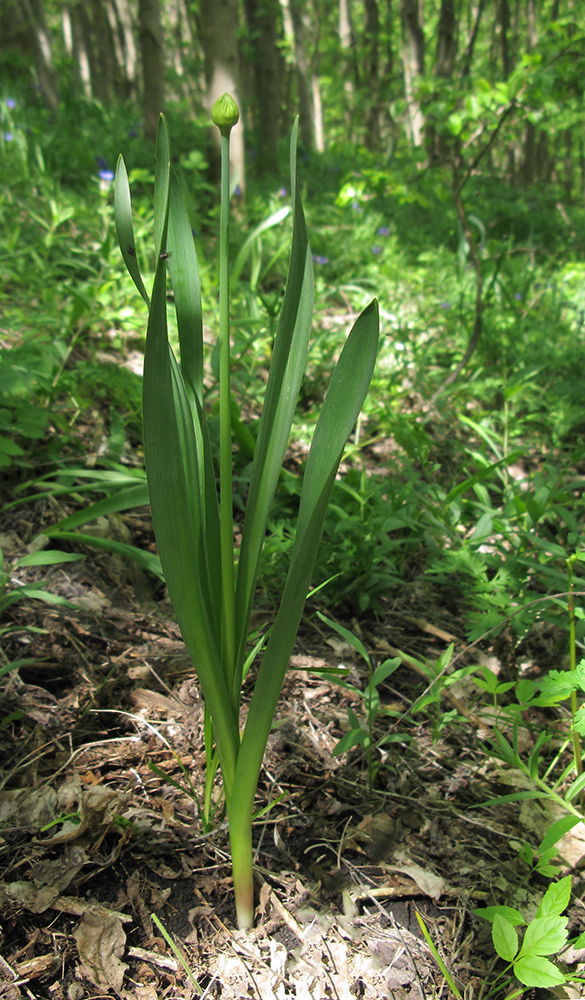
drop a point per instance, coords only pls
(225, 435)
(242, 867)
(573, 663)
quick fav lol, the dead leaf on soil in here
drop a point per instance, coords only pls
(101, 941)
(432, 885)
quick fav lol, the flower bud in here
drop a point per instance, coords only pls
(225, 114)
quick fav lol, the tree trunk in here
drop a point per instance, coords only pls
(264, 20)
(439, 143)
(23, 25)
(99, 50)
(446, 52)
(129, 55)
(413, 60)
(153, 67)
(347, 43)
(219, 24)
(504, 26)
(371, 36)
(303, 74)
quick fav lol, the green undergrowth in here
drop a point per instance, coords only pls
(477, 491)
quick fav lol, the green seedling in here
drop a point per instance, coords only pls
(361, 732)
(31, 591)
(544, 935)
(212, 585)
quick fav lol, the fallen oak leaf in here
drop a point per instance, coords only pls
(100, 942)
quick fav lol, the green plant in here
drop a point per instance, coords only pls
(31, 591)
(361, 733)
(212, 591)
(545, 934)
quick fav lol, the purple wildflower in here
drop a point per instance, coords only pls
(106, 175)
(282, 193)
(376, 249)
(10, 102)
(445, 305)
(518, 296)
(320, 260)
(8, 137)
(383, 231)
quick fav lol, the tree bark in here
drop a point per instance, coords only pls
(371, 35)
(304, 75)
(264, 26)
(153, 67)
(219, 24)
(446, 52)
(413, 60)
(23, 25)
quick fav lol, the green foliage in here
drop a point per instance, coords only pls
(544, 935)
(361, 732)
(193, 520)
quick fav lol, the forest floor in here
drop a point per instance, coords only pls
(99, 829)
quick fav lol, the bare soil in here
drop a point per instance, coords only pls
(103, 858)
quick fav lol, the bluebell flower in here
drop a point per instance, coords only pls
(8, 137)
(383, 231)
(106, 175)
(320, 260)
(518, 296)
(282, 193)
(237, 191)
(10, 102)
(376, 249)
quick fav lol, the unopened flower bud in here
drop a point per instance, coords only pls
(225, 114)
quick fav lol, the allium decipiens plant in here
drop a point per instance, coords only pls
(211, 585)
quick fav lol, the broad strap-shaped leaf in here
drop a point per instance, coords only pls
(187, 290)
(286, 372)
(162, 183)
(187, 296)
(176, 494)
(171, 466)
(125, 226)
(342, 404)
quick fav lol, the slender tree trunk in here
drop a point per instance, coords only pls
(446, 52)
(371, 40)
(413, 60)
(153, 67)
(504, 27)
(264, 20)
(23, 25)
(468, 58)
(438, 142)
(303, 74)
(99, 51)
(347, 44)
(129, 54)
(219, 24)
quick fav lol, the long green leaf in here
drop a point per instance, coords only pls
(187, 290)
(135, 496)
(172, 466)
(345, 397)
(286, 372)
(146, 560)
(125, 227)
